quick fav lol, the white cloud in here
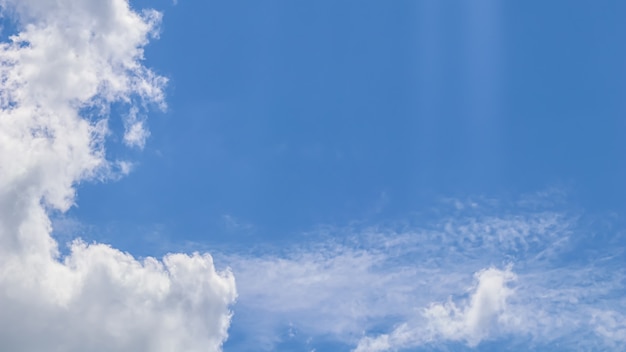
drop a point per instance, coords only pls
(473, 321)
(135, 132)
(68, 61)
(327, 290)
(611, 325)
(487, 273)
(101, 299)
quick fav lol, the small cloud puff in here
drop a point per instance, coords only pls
(135, 132)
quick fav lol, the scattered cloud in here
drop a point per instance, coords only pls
(611, 325)
(475, 319)
(67, 63)
(135, 132)
(484, 273)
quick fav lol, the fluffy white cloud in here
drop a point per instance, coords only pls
(475, 320)
(471, 322)
(67, 63)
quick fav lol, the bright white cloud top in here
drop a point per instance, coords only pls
(69, 58)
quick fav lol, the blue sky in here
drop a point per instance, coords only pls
(401, 175)
(286, 116)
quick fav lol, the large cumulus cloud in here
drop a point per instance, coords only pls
(68, 61)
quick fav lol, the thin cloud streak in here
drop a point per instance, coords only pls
(480, 273)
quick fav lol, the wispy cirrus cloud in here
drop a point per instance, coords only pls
(509, 274)
(67, 63)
